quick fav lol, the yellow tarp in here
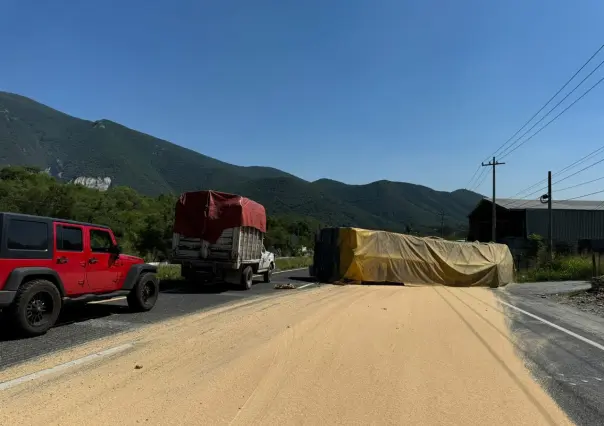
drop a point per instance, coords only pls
(379, 256)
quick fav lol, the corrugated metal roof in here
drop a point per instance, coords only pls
(519, 204)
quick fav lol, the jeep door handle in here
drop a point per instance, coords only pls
(93, 260)
(62, 259)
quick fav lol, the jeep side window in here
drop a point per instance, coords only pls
(69, 238)
(27, 235)
(100, 241)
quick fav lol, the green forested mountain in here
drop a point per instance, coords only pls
(33, 134)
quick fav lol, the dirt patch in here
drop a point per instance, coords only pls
(586, 301)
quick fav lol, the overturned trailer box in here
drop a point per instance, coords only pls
(359, 255)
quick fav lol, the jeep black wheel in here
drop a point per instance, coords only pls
(247, 278)
(268, 274)
(36, 307)
(144, 294)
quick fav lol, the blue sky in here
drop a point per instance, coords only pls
(416, 91)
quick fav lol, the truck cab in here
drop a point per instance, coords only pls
(46, 262)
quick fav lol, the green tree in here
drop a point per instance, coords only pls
(142, 224)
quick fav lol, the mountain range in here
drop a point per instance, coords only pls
(109, 153)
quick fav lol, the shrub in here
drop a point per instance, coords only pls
(293, 262)
(561, 269)
(168, 272)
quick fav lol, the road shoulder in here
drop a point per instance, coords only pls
(568, 368)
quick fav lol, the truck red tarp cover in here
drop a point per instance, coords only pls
(205, 214)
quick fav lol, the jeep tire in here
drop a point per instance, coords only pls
(144, 294)
(36, 307)
(247, 278)
(268, 274)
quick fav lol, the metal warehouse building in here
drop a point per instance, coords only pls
(573, 220)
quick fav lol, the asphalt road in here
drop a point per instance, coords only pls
(82, 323)
(571, 370)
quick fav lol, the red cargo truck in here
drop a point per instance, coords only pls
(220, 237)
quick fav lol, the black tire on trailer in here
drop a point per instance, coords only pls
(144, 295)
(268, 274)
(36, 307)
(247, 278)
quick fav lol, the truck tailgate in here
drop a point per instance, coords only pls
(240, 243)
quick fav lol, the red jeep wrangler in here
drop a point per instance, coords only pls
(45, 262)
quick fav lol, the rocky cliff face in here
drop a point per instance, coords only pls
(100, 183)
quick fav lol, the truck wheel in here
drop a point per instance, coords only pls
(36, 307)
(247, 277)
(268, 274)
(143, 296)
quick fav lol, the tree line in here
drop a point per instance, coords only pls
(142, 224)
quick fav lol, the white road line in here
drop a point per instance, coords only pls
(61, 367)
(114, 299)
(289, 270)
(231, 294)
(557, 327)
(305, 285)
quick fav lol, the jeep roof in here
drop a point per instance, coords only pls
(45, 218)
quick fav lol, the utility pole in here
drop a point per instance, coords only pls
(550, 222)
(493, 164)
(550, 226)
(442, 223)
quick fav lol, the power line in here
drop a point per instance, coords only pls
(513, 204)
(472, 178)
(582, 159)
(580, 184)
(555, 106)
(579, 171)
(528, 189)
(599, 206)
(424, 209)
(570, 166)
(568, 199)
(480, 180)
(568, 187)
(555, 118)
(583, 196)
(558, 181)
(551, 99)
(518, 141)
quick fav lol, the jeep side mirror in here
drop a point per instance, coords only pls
(115, 250)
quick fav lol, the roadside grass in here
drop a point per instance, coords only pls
(293, 263)
(168, 272)
(561, 269)
(172, 272)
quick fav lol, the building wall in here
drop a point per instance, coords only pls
(568, 225)
(510, 223)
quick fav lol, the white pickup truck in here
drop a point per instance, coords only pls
(219, 236)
